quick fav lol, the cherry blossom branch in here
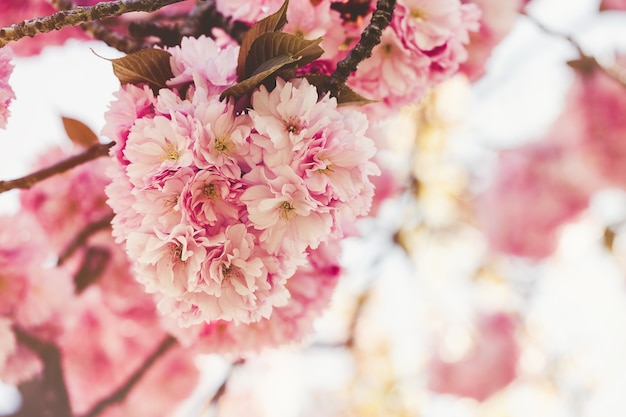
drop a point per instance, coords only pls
(120, 394)
(54, 394)
(81, 238)
(363, 49)
(587, 60)
(221, 390)
(93, 152)
(77, 16)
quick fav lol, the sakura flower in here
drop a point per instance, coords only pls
(247, 11)
(279, 204)
(426, 24)
(488, 367)
(613, 5)
(189, 63)
(6, 92)
(155, 145)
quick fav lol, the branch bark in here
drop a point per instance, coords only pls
(363, 50)
(28, 181)
(82, 237)
(77, 16)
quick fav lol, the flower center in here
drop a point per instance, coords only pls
(294, 125)
(210, 190)
(171, 153)
(418, 14)
(223, 144)
(286, 210)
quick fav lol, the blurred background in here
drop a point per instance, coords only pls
(490, 283)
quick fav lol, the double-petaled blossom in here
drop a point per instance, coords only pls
(218, 208)
(6, 92)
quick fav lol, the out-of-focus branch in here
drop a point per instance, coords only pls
(589, 61)
(54, 398)
(369, 39)
(28, 181)
(120, 394)
(77, 16)
(82, 237)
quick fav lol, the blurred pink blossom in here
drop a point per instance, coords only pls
(6, 92)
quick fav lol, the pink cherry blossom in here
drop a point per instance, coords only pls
(613, 5)
(535, 191)
(247, 11)
(6, 92)
(488, 367)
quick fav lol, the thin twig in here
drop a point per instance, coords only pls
(369, 39)
(120, 394)
(95, 151)
(82, 237)
(221, 390)
(589, 61)
(54, 397)
(77, 16)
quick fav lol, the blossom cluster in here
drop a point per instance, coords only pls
(219, 208)
(6, 92)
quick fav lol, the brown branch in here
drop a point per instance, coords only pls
(120, 394)
(363, 50)
(82, 237)
(53, 392)
(28, 181)
(77, 16)
(221, 390)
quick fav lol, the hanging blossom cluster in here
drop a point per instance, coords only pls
(218, 208)
(6, 92)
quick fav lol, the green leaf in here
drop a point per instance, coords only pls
(264, 71)
(79, 133)
(347, 96)
(150, 66)
(272, 23)
(270, 45)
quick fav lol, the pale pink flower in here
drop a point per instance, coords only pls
(426, 24)
(211, 200)
(535, 191)
(613, 5)
(190, 62)
(6, 92)
(393, 76)
(159, 203)
(167, 262)
(155, 145)
(132, 103)
(488, 367)
(288, 116)
(240, 278)
(8, 343)
(224, 146)
(496, 21)
(280, 205)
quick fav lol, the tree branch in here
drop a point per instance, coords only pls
(120, 394)
(54, 398)
(77, 16)
(369, 39)
(82, 237)
(28, 181)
